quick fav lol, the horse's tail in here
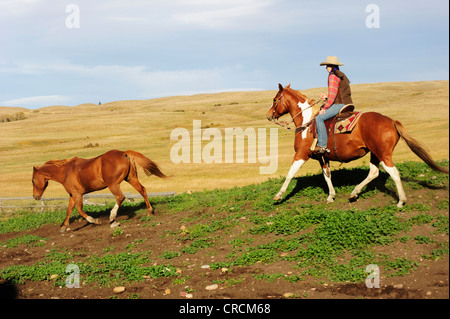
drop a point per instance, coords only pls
(418, 148)
(149, 167)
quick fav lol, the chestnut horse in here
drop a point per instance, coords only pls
(81, 176)
(374, 133)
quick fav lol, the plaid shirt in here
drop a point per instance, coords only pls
(333, 86)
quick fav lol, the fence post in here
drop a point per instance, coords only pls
(43, 204)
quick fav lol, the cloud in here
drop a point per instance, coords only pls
(77, 83)
(33, 101)
(206, 14)
(18, 7)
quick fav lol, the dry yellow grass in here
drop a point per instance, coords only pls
(60, 132)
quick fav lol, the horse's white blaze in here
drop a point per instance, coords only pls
(113, 213)
(290, 175)
(393, 172)
(306, 114)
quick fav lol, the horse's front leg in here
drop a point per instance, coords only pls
(120, 197)
(69, 211)
(79, 204)
(327, 175)
(295, 167)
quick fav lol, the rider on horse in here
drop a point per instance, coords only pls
(339, 95)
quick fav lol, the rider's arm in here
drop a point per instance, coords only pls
(333, 86)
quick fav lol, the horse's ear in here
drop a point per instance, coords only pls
(289, 86)
(280, 87)
(34, 169)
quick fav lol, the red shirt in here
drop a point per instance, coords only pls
(333, 86)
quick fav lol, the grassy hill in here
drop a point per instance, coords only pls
(89, 130)
(244, 243)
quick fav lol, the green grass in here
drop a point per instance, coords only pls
(29, 240)
(329, 242)
(107, 270)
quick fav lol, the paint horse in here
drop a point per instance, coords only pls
(374, 133)
(81, 176)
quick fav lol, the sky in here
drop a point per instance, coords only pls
(84, 51)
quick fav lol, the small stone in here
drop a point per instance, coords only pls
(428, 293)
(54, 276)
(288, 295)
(205, 266)
(224, 270)
(167, 292)
(212, 287)
(399, 286)
(189, 296)
(178, 271)
(118, 290)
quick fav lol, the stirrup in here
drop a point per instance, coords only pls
(321, 150)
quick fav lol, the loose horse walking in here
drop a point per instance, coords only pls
(374, 133)
(81, 176)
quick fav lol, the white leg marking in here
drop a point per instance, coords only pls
(93, 220)
(393, 172)
(373, 173)
(292, 171)
(113, 213)
(327, 176)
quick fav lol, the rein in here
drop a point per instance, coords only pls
(285, 124)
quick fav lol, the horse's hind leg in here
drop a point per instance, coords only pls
(133, 180)
(373, 173)
(393, 172)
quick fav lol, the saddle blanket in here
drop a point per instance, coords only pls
(346, 125)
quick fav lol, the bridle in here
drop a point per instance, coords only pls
(286, 124)
(272, 118)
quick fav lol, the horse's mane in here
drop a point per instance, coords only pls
(301, 97)
(59, 163)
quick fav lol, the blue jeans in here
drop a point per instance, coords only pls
(322, 136)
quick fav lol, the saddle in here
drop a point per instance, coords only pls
(344, 122)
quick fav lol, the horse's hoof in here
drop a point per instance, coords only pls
(114, 225)
(93, 220)
(276, 198)
(62, 229)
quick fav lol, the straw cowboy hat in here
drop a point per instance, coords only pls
(331, 60)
